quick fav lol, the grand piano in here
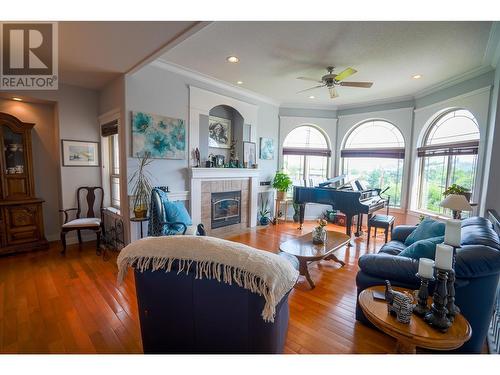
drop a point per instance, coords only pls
(351, 198)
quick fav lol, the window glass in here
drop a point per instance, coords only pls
(375, 134)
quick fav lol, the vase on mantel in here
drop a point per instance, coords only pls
(319, 233)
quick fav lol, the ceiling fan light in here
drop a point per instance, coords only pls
(333, 92)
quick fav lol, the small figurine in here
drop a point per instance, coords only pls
(398, 303)
(197, 156)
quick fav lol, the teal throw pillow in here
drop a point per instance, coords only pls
(176, 211)
(423, 248)
(428, 228)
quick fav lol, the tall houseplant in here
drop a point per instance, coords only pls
(281, 182)
(141, 186)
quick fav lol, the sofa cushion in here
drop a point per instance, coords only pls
(477, 234)
(176, 212)
(392, 248)
(422, 249)
(428, 228)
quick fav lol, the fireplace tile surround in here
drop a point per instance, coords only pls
(205, 181)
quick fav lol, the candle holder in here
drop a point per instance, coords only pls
(437, 316)
(421, 308)
(450, 286)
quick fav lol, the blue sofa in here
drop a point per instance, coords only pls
(181, 314)
(477, 274)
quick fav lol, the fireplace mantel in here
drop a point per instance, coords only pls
(197, 175)
(223, 173)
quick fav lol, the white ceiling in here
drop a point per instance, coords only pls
(273, 54)
(91, 54)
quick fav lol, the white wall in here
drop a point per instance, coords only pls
(477, 102)
(401, 118)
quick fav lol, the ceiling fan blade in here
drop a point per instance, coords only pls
(310, 88)
(333, 92)
(310, 79)
(345, 73)
(365, 85)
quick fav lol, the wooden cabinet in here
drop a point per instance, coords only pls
(21, 215)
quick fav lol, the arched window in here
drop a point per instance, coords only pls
(448, 155)
(305, 155)
(374, 153)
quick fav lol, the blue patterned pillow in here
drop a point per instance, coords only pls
(428, 228)
(176, 211)
(422, 249)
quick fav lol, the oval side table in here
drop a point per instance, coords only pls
(417, 332)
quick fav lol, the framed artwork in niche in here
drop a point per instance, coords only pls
(219, 132)
(161, 136)
(80, 153)
(249, 154)
(266, 148)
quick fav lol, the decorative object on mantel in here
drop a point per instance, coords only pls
(219, 132)
(452, 237)
(319, 232)
(456, 199)
(141, 186)
(281, 182)
(197, 157)
(398, 303)
(160, 136)
(437, 316)
(425, 274)
(249, 153)
(266, 148)
(77, 154)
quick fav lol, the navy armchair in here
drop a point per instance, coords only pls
(181, 314)
(477, 274)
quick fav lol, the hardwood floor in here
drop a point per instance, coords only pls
(71, 304)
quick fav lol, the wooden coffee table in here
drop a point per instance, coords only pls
(307, 252)
(417, 332)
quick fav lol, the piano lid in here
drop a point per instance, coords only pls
(332, 181)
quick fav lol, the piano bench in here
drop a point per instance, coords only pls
(380, 221)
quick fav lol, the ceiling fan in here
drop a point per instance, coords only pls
(331, 80)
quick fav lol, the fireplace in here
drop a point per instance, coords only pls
(226, 208)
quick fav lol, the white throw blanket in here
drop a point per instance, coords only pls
(261, 272)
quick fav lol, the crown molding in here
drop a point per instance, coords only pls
(454, 81)
(492, 51)
(454, 98)
(200, 77)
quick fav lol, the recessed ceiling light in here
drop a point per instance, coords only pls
(233, 59)
(417, 76)
(239, 82)
(312, 97)
(17, 99)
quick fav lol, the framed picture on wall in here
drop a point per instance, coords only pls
(266, 148)
(219, 132)
(249, 154)
(80, 153)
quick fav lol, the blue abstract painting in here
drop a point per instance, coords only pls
(160, 136)
(266, 148)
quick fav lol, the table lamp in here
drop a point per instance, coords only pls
(457, 203)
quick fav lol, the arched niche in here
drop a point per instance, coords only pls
(222, 125)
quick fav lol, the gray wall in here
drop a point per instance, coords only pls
(75, 117)
(156, 90)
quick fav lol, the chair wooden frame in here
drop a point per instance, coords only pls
(91, 200)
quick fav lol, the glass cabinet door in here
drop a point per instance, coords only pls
(13, 152)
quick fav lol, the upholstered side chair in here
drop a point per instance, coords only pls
(88, 215)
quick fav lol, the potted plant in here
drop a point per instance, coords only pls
(319, 232)
(457, 189)
(141, 186)
(264, 213)
(281, 182)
